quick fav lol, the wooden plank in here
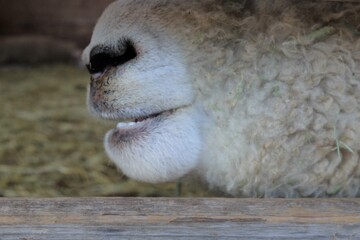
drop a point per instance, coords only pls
(354, 1)
(350, 1)
(178, 218)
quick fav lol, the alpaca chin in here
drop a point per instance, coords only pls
(156, 150)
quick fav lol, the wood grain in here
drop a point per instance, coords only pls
(350, 1)
(179, 218)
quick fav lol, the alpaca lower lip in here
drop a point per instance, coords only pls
(137, 122)
(138, 127)
(133, 125)
(131, 131)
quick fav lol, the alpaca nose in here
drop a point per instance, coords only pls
(102, 58)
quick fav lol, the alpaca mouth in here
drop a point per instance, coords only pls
(136, 121)
(131, 129)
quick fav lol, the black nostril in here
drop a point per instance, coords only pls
(99, 62)
(102, 57)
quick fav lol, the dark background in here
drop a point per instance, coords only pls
(71, 20)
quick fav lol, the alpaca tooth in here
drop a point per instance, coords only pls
(121, 125)
(124, 124)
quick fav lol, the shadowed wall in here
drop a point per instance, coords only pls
(71, 20)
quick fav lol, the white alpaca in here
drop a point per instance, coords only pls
(258, 101)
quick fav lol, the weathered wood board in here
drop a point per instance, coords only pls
(178, 218)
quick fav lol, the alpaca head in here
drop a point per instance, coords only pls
(139, 78)
(230, 90)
